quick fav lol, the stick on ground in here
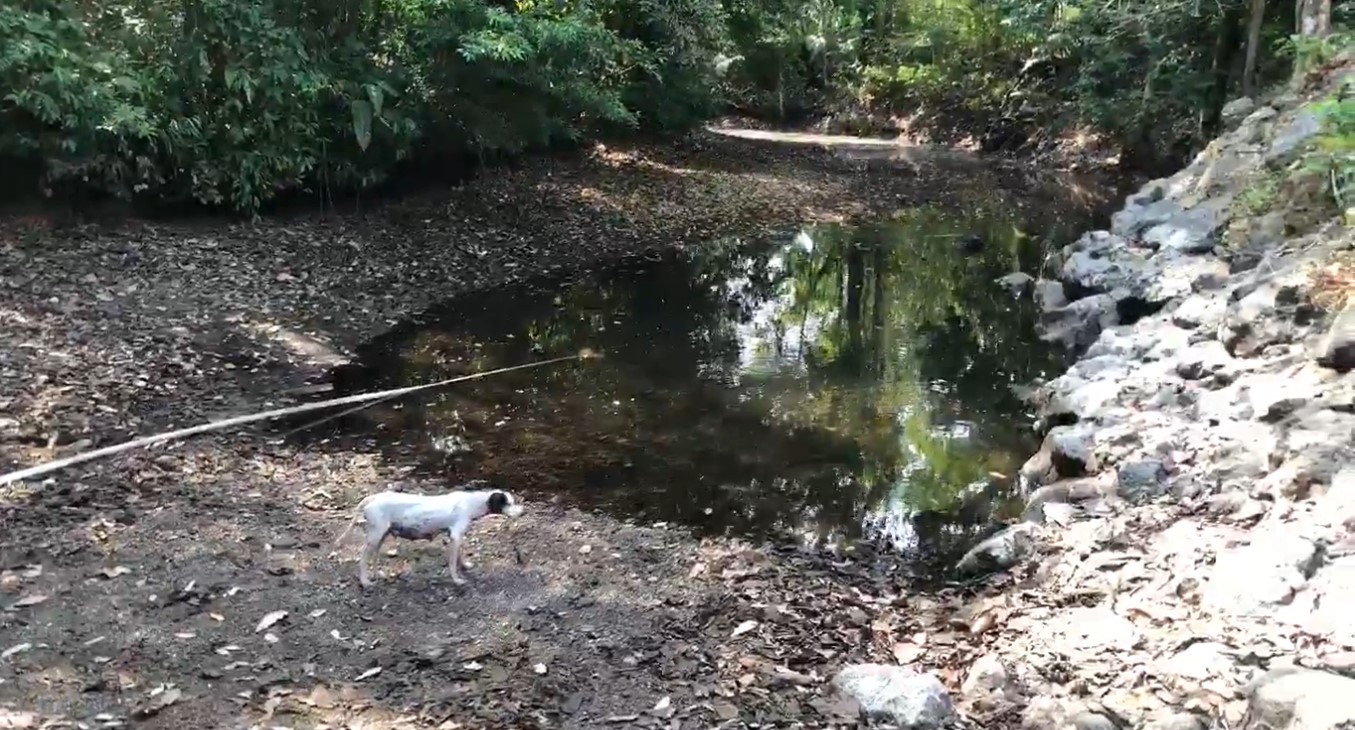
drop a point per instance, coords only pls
(52, 466)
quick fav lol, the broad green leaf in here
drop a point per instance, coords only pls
(377, 96)
(362, 122)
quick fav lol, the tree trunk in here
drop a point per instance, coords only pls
(1225, 48)
(1314, 21)
(1258, 12)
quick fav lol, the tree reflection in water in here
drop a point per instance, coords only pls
(838, 380)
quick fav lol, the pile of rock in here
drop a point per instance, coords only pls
(1193, 505)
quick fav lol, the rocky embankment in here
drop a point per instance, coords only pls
(1187, 559)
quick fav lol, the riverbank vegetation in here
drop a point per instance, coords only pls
(238, 104)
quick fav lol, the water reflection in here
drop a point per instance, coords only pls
(830, 382)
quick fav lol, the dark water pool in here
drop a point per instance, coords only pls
(831, 382)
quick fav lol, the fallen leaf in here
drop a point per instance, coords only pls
(368, 674)
(216, 617)
(27, 601)
(725, 711)
(317, 613)
(269, 620)
(744, 628)
(270, 637)
(159, 701)
(907, 653)
(115, 571)
(14, 720)
(320, 697)
(17, 648)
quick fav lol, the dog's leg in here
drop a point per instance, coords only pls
(453, 559)
(369, 552)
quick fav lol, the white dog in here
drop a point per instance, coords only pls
(422, 517)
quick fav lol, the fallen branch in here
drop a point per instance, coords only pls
(51, 466)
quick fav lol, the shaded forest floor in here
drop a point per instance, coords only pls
(147, 586)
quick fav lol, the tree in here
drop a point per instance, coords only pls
(1258, 14)
(1314, 22)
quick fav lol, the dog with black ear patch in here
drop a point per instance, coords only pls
(423, 517)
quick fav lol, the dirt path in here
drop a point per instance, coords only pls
(146, 589)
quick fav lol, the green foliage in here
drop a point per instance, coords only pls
(1258, 198)
(1334, 153)
(1151, 74)
(234, 102)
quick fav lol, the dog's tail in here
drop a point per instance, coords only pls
(356, 514)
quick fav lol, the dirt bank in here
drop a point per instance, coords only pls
(148, 588)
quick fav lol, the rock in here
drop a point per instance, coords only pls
(1077, 325)
(1017, 283)
(1071, 450)
(1089, 630)
(1100, 261)
(1093, 721)
(1202, 360)
(1290, 137)
(1293, 480)
(1172, 274)
(1142, 480)
(908, 698)
(1168, 719)
(1141, 213)
(1265, 314)
(1065, 453)
(1198, 310)
(1292, 698)
(1255, 579)
(1236, 110)
(1051, 713)
(1249, 240)
(986, 676)
(1071, 490)
(1003, 550)
(1337, 348)
(1049, 295)
(1042, 713)
(1323, 607)
(1337, 506)
(1038, 469)
(1191, 232)
(1199, 662)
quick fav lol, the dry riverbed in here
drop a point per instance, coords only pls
(193, 585)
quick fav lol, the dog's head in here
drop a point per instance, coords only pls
(503, 503)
